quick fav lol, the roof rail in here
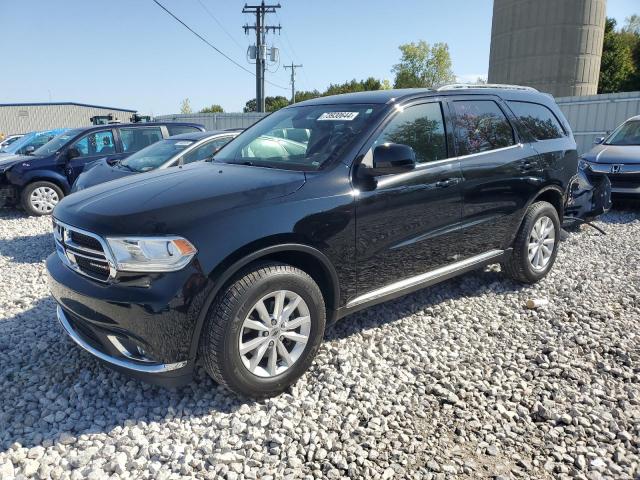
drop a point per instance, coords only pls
(462, 86)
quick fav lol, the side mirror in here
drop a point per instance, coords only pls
(598, 140)
(72, 153)
(391, 158)
(29, 150)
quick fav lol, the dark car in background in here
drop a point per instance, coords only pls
(39, 181)
(617, 157)
(173, 151)
(240, 263)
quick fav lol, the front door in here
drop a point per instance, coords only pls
(92, 146)
(406, 224)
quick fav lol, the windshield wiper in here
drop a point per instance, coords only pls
(251, 164)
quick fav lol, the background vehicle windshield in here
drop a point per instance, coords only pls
(57, 143)
(155, 155)
(627, 134)
(13, 147)
(300, 138)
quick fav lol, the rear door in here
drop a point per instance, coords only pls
(500, 171)
(134, 138)
(406, 224)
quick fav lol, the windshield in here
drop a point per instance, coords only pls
(627, 134)
(155, 155)
(13, 147)
(57, 143)
(300, 138)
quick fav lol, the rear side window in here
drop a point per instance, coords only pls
(538, 120)
(422, 128)
(178, 129)
(481, 126)
(134, 139)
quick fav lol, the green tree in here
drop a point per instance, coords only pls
(617, 68)
(215, 108)
(423, 65)
(185, 106)
(303, 95)
(271, 104)
(632, 24)
(354, 86)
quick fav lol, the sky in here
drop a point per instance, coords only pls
(131, 54)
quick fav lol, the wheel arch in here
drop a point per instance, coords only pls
(43, 176)
(307, 258)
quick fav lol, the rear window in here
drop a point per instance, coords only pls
(538, 120)
(134, 139)
(179, 129)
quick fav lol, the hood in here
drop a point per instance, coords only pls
(8, 160)
(99, 172)
(614, 154)
(173, 200)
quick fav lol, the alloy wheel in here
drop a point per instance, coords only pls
(542, 240)
(275, 333)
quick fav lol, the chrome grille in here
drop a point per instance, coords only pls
(83, 252)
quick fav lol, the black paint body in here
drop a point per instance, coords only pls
(351, 235)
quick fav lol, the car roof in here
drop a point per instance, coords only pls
(404, 94)
(139, 125)
(201, 135)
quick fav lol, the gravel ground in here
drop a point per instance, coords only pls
(457, 381)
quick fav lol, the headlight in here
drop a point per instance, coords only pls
(151, 254)
(583, 164)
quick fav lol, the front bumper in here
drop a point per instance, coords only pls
(624, 178)
(144, 332)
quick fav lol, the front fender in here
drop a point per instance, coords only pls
(21, 178)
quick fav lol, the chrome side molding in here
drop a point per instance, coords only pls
(128, 365)
(429, 276)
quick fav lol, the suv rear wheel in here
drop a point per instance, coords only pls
(264, 330)
(536, 245)
(40, 198)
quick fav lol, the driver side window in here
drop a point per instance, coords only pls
(96, 143)
(422, 128)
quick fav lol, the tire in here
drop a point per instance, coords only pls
(519, 266)
(252, 373)
(40, 198)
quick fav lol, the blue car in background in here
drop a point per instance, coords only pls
(30, 142)
(38, 181)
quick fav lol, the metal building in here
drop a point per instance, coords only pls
(215, 121)
(29, 117)
(552, 45)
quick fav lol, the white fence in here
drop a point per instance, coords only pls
(215, 121)
(593, 116)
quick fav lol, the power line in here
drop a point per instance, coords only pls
(293, 53)
(220, 25)
(212, 45)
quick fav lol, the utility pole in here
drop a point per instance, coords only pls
(261, 30)
(293, 80)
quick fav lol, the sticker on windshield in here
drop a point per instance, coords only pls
(183, 144)
(338, 116)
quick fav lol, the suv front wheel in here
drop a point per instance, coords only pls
(40, 198)
(536, 245)
(264, 330)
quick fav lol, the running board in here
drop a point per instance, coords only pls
(411, 284)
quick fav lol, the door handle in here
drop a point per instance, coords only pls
(446, 183)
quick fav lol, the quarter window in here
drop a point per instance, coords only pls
(134, 139)
(96, 143)
(422, 128)
(481, 126)
(538, 120)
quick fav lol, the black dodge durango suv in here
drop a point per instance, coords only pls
(240, 263)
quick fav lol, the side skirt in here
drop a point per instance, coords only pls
(418, 282)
